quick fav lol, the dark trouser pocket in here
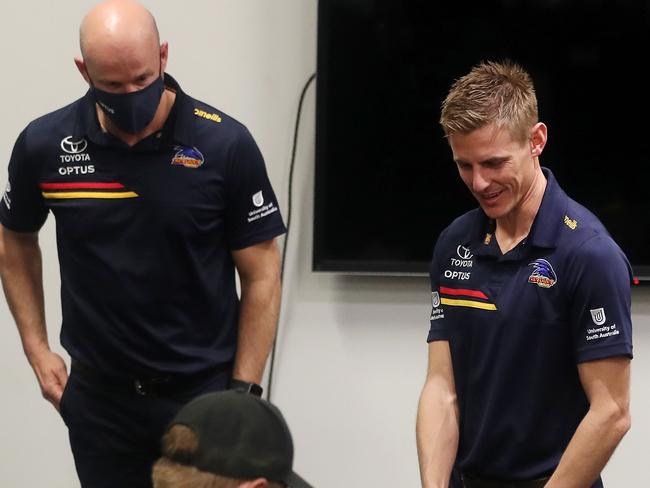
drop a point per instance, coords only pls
(64, 397)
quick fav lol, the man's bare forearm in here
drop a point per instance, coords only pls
(590, 448)
(22, 281)
(258, 318)
(437, 434)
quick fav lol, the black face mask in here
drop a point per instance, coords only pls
(133, 111)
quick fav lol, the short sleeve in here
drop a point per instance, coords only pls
(601, 307)
(438, 327)
(22, 208)
(253, 215)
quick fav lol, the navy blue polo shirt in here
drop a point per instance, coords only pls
(144, 233)
(518, 324)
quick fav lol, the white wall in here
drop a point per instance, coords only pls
(351, 356)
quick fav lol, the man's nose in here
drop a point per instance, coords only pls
(130, 88)
(479, 181)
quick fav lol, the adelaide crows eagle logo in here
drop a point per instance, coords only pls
(543, 274)
(190, 157)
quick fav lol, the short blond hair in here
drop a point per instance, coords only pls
(492, 92)
(180, 442)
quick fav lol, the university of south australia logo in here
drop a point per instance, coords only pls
(598, 316)
(258, 199)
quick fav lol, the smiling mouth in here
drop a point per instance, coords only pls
(491, 197)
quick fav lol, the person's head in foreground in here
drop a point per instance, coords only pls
(227, 439)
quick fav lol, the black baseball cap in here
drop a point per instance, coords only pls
(240, 436)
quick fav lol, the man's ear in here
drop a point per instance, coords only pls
(81, 66)
(538, 138)
(164, 55)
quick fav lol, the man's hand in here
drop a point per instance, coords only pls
(52, 375)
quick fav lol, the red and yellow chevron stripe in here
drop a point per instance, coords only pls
(465, 298)
(85, 189)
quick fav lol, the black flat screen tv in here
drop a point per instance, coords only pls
(386, 184)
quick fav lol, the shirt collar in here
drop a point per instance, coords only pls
(178, 128)
(550, 216)
(546, 226)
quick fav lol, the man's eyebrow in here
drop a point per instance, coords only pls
(493, 160)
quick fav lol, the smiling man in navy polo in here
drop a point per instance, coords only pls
(530, 338)
(159, 198)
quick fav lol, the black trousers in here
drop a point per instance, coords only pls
(473, 482)
(115, 428)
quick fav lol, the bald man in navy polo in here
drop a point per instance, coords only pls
(160, 201)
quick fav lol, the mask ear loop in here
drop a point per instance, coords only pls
(99, 121)
(161, 73)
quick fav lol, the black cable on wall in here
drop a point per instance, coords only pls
(269, 388)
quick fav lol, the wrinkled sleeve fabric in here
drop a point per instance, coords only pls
(438, 329)
(601, 304)
(253, 214)
(22, 208)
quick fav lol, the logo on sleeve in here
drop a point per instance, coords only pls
(598, 315)
(436, 311)
(190, 157)
(543, 274)
(261, 210)
(258, 199)
(6, 198)
(602, 331)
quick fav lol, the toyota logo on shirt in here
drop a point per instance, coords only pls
(463, 252)
(74, 146)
